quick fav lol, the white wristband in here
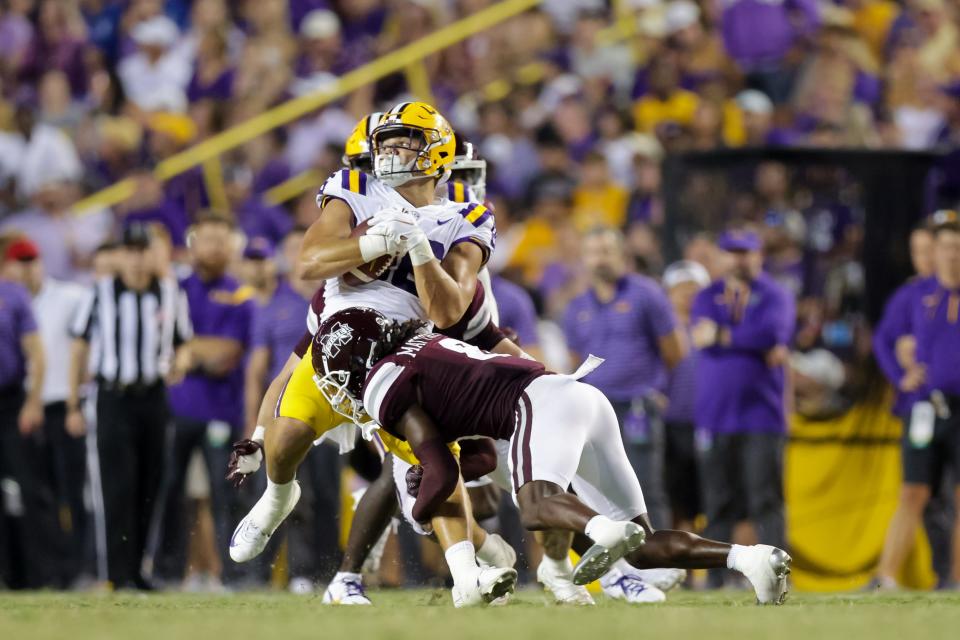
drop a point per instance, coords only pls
(372, 247)
(258, 434)
(421, 253)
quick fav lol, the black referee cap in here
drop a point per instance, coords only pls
(136, 235)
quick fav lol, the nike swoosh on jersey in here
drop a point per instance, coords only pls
(439, 222)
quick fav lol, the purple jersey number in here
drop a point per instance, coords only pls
(400, 274)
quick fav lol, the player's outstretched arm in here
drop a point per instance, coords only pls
(440, 469)
(328, 250)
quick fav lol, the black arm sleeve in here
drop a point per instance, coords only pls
(478, 457)
(440, 476)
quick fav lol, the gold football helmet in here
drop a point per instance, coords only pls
(426, 132)
(356, 151)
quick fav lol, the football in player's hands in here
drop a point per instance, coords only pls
(369, 271)
(413, 478)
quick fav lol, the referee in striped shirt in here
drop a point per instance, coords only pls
(139, 321)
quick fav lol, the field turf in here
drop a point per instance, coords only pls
(428, 615)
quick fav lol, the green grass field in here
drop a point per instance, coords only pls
(428, 615)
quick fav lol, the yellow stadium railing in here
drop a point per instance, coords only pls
(407, 59)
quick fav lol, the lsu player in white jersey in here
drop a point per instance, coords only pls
(437, 249)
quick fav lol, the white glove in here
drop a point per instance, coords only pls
(417, 246)
(392, 223)
(389, 214)
(379, 242)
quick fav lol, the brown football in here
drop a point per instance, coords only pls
(370, 271)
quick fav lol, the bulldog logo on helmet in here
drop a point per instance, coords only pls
(339, 335)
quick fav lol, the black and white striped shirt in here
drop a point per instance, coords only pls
(136, 331)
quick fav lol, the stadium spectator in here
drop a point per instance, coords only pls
(682, 281)
(207, 413)
(254, 216)
(761, 36)
(666, 103)
(156, 77)
(258, 269)
(136, 322)
(24, 562)
(627, 319)
(516, 311)
(757, 110)
(59, 454)
(597, 199)
(742, 326)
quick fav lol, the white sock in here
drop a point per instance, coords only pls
(488, 550)
(462, 560)
(604, 531)
(735, 551)
(344, 576)
(558, 567)
(272, 504)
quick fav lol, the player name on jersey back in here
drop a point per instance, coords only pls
(466, 391)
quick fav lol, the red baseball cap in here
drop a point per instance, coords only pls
(21, 250)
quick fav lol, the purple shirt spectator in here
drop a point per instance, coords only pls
(103, 28)
(188, 190)
(935, 320)
(222, 309)
(736, 390)
(640, 208)
(257, 218)
(516, 310)
(274, 172)
(894, 324)
(16, 321)
(681, 390)
(16, 36)
(169, 213)
(758, 33)
(279, 325)
(220, 89)
(65, 54)
(624, 331)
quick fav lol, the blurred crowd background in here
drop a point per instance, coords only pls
(577, 106)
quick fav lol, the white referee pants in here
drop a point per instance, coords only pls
(567, 433)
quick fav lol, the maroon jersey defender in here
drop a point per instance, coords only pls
(564, 433)
(468, 391)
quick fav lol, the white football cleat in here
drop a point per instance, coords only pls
(562, 587)
(630, 587)
(493, 584)
(250, 537)
(663, 579)
(497, 552)
(346, 592)
(598, 559)
(767, 569)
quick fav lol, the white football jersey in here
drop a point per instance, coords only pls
(445, 223)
